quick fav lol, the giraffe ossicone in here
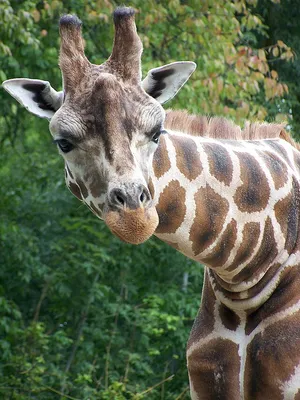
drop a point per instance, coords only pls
(226, 197)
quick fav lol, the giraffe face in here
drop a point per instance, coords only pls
(107, 141)
(106, 123)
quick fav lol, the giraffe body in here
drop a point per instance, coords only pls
(224, 197)
(249, 317)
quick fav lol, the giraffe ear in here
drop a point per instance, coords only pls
(164, 82)
(37, 96)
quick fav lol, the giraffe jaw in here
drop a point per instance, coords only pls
(132, 226)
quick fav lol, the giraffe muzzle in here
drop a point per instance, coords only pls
(130, 214)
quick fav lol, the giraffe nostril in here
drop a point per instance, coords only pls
(120, 199)
(142, 197)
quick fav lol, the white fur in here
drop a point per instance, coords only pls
(182, 72)
(26, 98)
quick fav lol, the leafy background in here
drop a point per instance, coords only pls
(82, 315)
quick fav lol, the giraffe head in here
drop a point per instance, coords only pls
(106, 123)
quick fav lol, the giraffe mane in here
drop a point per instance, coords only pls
(222, 128)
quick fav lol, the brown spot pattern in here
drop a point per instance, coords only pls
(276, 167)
(254, 193)
(279, 149)
(297, 160)
(214, 370)
(211, 210)
(283, 297)
(271, 358)
(187, 157)
(264, 256)
(161, 162)
(259, 286)
(229, 318)
(171, 208)
(204, 322)
(224, 287)
(83, 188)
(220, 164)
(287, 215)
(95, 209)
(151, 188)
(97, 184)
(250, 237)
(222, 251)
(75, 190)
(69, 171)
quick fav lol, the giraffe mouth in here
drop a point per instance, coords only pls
(132, 226)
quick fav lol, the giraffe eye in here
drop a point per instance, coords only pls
(64, 145)
(156, 136)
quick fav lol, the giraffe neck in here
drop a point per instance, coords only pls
(231, 205)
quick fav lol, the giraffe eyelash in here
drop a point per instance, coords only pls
(64, 145)
(156, 136)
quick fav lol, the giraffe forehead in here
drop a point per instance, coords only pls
(123, 107)
(108, 109)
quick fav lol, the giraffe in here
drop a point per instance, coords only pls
(223, 196)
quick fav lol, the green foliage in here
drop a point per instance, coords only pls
(84, 316)
(283, 27)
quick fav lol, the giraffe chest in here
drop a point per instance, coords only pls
(247, 356)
